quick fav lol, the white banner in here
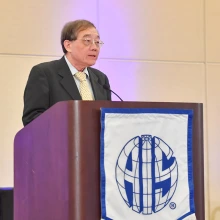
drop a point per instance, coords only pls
(146, 164)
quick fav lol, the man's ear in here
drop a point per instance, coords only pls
(67, 45)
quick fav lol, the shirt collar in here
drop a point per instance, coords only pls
(73, 69)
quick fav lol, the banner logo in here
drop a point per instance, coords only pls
(146, 173)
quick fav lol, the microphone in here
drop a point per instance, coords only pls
(108, 88)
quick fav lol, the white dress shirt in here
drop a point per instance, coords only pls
(74, 71)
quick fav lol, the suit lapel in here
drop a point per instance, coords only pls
(97, 88)
(67, 80)
(70, 86)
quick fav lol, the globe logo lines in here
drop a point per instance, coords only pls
(146, 174)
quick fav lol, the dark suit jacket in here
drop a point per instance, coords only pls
(51, 82)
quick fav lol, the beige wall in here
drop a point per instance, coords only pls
(168, 51)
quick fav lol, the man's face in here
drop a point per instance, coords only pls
(81, 53)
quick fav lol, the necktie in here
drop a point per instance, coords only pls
(84, 87)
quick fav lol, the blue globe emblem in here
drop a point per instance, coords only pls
(146, 173)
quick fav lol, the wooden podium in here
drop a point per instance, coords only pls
(56, 161)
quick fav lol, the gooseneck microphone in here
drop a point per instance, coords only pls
(108, 88)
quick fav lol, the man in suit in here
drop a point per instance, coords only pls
(58, 80)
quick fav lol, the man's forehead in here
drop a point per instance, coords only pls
(89, 32)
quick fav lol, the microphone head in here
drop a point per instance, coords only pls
(106, 87)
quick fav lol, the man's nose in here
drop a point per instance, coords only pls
(93, 45)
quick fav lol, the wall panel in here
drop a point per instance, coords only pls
(34, 27)
(153, 29)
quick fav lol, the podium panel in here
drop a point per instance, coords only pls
(57, 161)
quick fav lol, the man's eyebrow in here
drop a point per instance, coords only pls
(89, 35)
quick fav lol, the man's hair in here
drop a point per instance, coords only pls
(71, 30)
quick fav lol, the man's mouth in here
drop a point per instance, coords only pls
(94, 56)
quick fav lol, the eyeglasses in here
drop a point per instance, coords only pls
(87, 41)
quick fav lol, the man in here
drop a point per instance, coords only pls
(71, 77)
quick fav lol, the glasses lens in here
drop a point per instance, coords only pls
(89, 41)
(99, 43)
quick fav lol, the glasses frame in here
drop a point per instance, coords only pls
(93, 41)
